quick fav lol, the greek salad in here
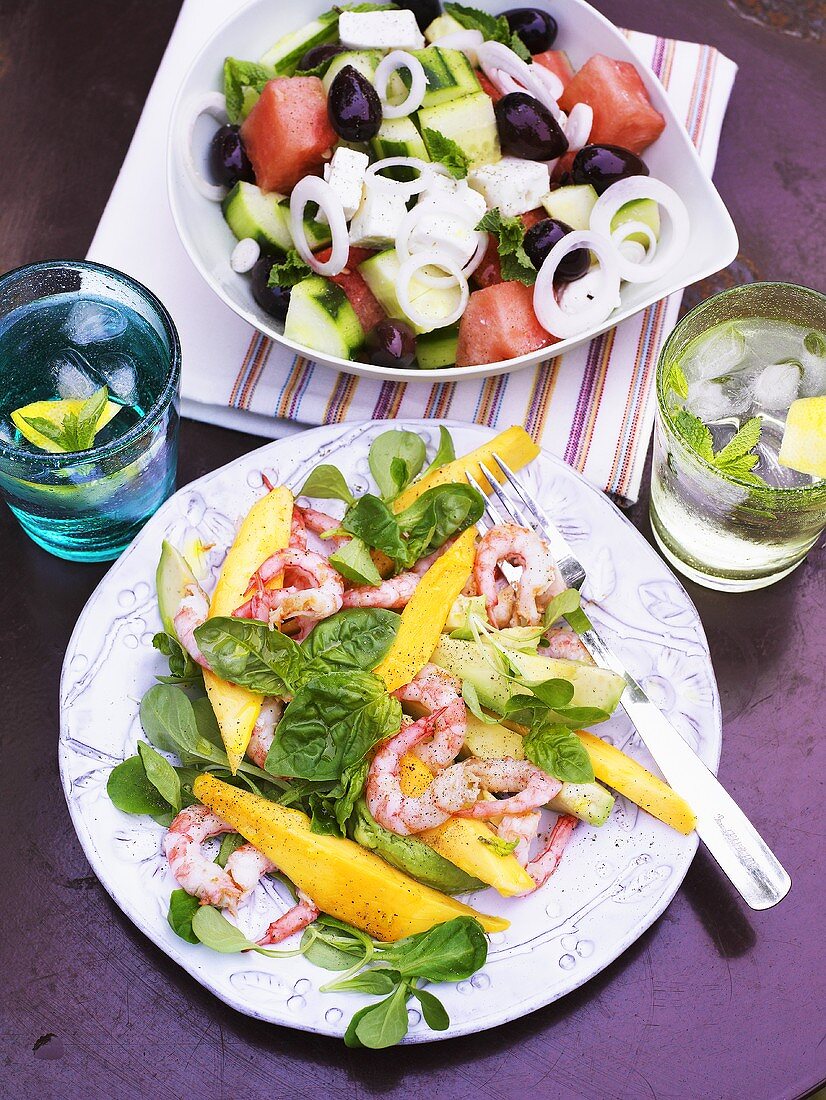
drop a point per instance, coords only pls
(384, 707)
(418, 187)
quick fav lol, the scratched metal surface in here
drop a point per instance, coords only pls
(712, 1001)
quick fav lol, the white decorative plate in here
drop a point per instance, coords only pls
(612, 883)
(583, 31)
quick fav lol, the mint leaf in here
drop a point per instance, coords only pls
(741, 468)
(354, 563)
(814, 343)
(445, 150)
(52, 431)
(289, 271)
(494, 28)
(510, 237)
(743, 442)
(695, 433)
(679, 382)
(239, 75)
(88, 417)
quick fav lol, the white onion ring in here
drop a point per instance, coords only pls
(495, 59)
(412, 187)
(551, 81)
(620, 235)
(406, 272)
(579, 125)
(214, 105)
(668, 252)
(245, 255)
(548, 311)
(314, 189)
(466, 42)
(452, 205)
(400, 59)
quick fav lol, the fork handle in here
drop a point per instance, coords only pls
(728, 834)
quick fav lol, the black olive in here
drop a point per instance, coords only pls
(391, 344)
(228, 160)
(316, 54)
(540, 239)
(353, 106)
(602, 165)
(535, 27)
(424, 10)
(272, 299)
(527, 128)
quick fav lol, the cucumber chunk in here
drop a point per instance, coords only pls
(449, 75)
(639, 210)
(321, 317)
(398, 137)
(264, 217)
(572, 205)
(471, 123)
(381, 273)
(441, 26)
(438, 348)
(363, 61)
(283, 58)
(172, 577)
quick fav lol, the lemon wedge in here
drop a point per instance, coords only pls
(804, 440)
(55, 412)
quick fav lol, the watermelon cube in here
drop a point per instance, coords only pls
(287, 134)
(556, 61)
(365, 304)
(623, 113)
(499, 323)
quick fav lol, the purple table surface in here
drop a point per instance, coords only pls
(714, 1001)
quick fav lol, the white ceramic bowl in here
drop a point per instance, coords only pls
(582, 32)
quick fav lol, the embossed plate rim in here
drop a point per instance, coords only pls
(681, 850)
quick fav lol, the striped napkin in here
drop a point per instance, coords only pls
(594, 406)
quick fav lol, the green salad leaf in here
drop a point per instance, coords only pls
(436, 515)
(182, 908)
(289, 271)
(353, 561)
(161, 775)
(371, 520)
(238, 77)
(76, 431)
(357, 637)
(567, 605)
(510, 238)
(395, 458)
(494, 28)
(445, 452)
(444, 150)
(247, 652)
(182, 669)
(327, 483)
(131, 791)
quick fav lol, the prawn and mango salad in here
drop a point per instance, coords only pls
(367, 707)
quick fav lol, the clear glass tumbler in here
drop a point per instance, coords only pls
(741, 357)
(66, 329)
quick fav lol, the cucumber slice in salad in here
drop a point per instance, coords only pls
(321, 317)
(264, 217)
(284, 56)
(471, 123)
(438, 348)
(441, 26)
(381, 273)
(363, 61)
(449, 75)
(572, 204)
(398, 137)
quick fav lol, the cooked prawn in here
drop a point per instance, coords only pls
(521, 828)
(392, 594)
(302, 914)
(543, 866)
(192, 612)
(564, 645)
(320, 597)
(298, 530)
(539, 582)
(436, 690)
(534, 786)
(225, 887)
(320, 523)
(263, 732)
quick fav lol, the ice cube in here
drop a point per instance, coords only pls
(120, 374)
(74, 376)
(776, 386)
(7, 432)
(813, 383)
(714, 400)
(767, 450)
(93, 323)
(720, 354)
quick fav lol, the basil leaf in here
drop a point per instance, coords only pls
(525, 709)
(130, 790)
(434, 1012)
(579, 716)
(168, 720)
(250, 654)
(447, 152)
(559, 752)
(331, 724)
(358, 637)
(378, 982)
(408, 448)
(289, 271)
(230, 842)
(380, 1025)
(372, 521)
(354, 563)
(327, 483)
(554, 693)
(238, 76)
(182, 669)
(445, 453)
(448, 952)
(161, 775)
(215, 931)
(182, 908)
(436, 515)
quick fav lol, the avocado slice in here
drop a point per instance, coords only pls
(172, 577)
(410, 855)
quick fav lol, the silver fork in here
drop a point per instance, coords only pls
(723, 827)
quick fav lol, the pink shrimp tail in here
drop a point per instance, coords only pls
(294, 920)
(543, 866)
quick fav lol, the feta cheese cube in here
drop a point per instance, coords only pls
(513, 184)
(345, 175)
(447, 185)
(380, 30)
(445, 230)
(379, 216)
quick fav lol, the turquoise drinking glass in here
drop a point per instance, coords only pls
(66, 328)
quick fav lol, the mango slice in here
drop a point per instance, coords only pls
(466, 843)
(426, 613)
(265, 529)
(514, 446)
(343, 879)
